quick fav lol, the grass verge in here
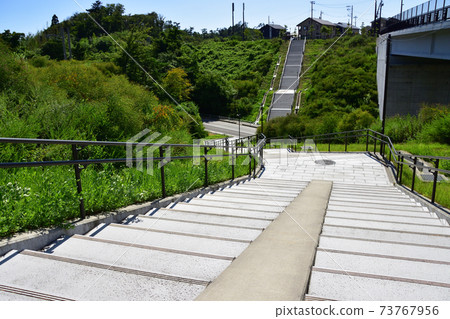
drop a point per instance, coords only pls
(33, 198)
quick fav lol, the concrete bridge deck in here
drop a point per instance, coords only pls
(337, 232)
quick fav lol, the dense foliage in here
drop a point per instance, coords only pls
(147, 48)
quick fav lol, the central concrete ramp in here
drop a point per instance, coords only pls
(277, 265)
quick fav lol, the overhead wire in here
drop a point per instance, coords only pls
(136, 62)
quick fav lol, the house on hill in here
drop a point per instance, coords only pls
(312, 29)
(322, 29)
(271, 31)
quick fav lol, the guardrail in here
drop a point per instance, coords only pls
(393, 158)
(425, 13)
(252, 150)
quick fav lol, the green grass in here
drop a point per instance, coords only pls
(212, 136)
(33, 198)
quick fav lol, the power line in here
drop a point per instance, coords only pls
(137, 63)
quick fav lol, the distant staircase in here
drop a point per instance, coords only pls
(283, 99)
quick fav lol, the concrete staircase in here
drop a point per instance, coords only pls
(378, 243)
(167, 254)
(283, 99)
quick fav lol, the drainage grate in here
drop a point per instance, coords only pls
(325, 162)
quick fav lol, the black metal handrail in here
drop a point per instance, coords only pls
(396, 159)
(253, 152)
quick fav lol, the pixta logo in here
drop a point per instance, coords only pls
(143, 145)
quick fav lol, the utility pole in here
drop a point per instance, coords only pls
(232, 18)
(350, 8)
(312, 9)
(401, 10)
(321, 12)
(356, 24)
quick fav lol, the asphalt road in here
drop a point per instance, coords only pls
(228, 128)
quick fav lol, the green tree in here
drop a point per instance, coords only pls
(213, 93)
(325, 30)
(177, 84)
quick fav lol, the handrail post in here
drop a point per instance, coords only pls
(433, 195)
(367, 140)
(345, 142)
(232, 164)
(329, 145)
(78, 180)
(206, 166)
(163, 177)
(381, 148)
(401, 170)
(249, 162)
(254, 167)
(374, 145)
(414, 175)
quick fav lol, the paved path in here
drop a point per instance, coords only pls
(228, 128)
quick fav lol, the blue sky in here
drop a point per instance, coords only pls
(30, 16)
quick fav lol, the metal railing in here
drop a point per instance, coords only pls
(425, 13)
(253, 150)
(383, 144)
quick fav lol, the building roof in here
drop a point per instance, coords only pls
(346, 25)
(275, 26)
(320, 21)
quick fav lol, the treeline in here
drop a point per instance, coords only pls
(192, 61)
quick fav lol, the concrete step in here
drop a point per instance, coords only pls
(256, 192)
(276, 183)
(368, 193)
(72, 279)
(384, 212)
(10, 293)
(269, 201)
(196, 228)
(372, 200)
(386, 235)
(214, 204)
(186, 243)
(383, 196)
(339, 285)
(375, 210)
(249, 195)
(387, 192)
(419, 219)
(425, 229)
(386, 249)
(337, 186)
(226, 211)
(143, 258)
(387, 206)
(260, 187)
(386, 266)
(211, 218)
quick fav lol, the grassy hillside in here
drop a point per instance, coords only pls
(245, 67)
